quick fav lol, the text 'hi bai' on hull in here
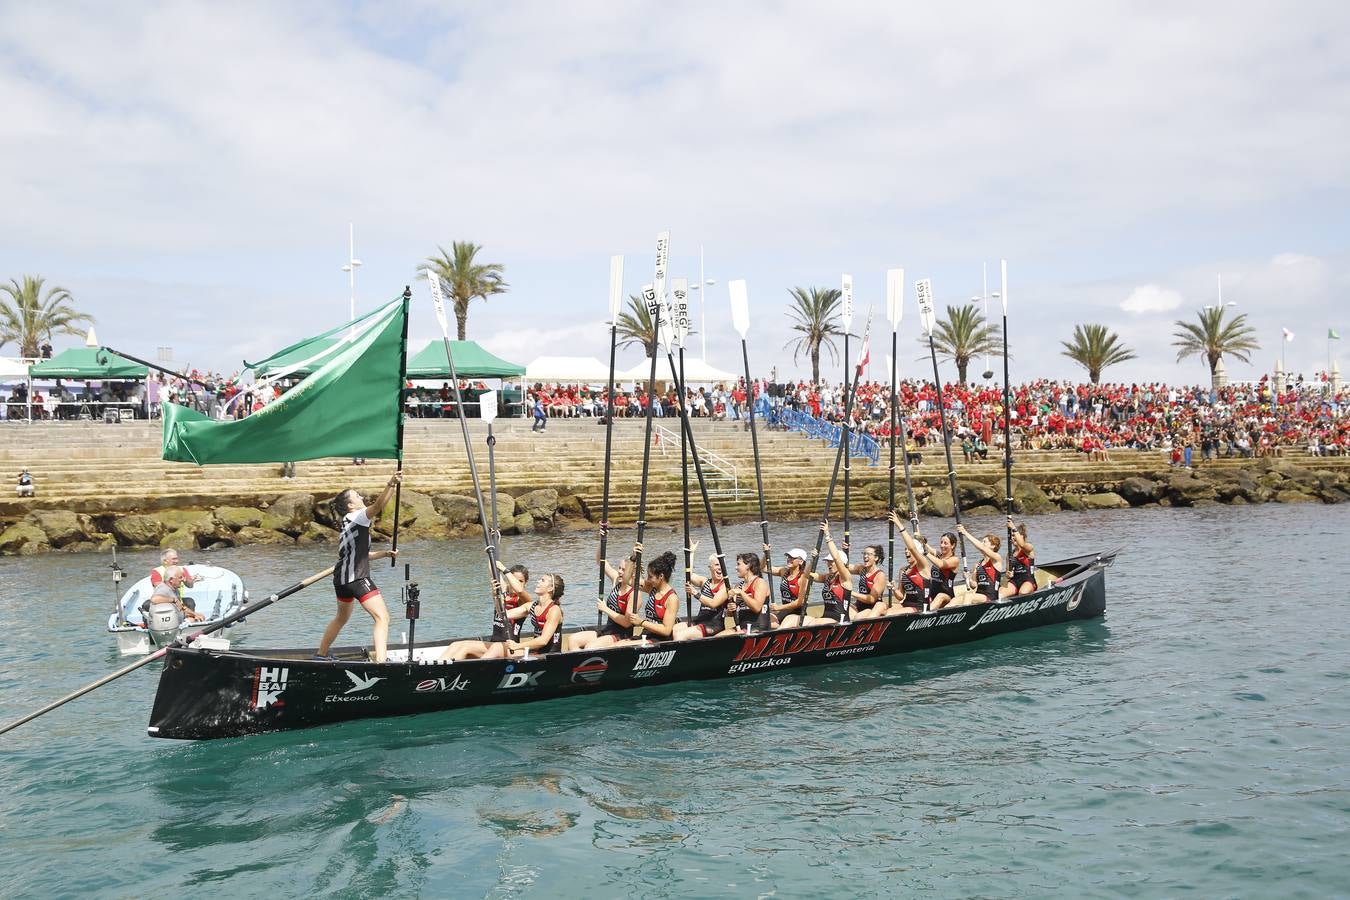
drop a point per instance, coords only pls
(209, 694)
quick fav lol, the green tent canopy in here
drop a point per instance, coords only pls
(471, 361)
(83, 362)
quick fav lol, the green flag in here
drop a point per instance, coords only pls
(1332, 335)
(349, 407)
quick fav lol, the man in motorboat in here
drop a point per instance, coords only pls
(169, 591)
(167, 559)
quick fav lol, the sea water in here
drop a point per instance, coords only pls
(1193, 741)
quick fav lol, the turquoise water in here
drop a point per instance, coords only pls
(1193, 741)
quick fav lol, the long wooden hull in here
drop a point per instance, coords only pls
(211, 694)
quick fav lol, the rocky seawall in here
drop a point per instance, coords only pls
(302, 518)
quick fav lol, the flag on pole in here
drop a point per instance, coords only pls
(1332, 335)
(1288, 335)
(866, 356)
(349, 407)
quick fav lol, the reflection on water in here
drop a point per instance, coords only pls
(1027, 764)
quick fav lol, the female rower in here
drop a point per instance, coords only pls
(942, 574)
(792, 589)
(753, 591)
(516, 602)
(712, 593)
(616, 625)
(1021, 563)
(911, 585)
(868, 602)
(658, 616)
(546, 616)
(838, 581)
(983, 579)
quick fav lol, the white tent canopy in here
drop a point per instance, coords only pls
(696, 371)
(12, 369)
(567, 370)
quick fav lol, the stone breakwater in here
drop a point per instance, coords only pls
(303, 518)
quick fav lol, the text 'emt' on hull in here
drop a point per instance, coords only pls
(208, 694)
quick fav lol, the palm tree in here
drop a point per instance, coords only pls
(635, 326)
(465, 278)
(1213, 337)
(27, 318)
(963, 335)
(1094, 348)
(815, 314)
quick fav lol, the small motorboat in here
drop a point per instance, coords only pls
(215, 592)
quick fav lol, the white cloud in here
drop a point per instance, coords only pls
(1150, 298)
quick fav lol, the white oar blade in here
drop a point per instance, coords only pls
(662, 261)
(679, 292)
(895, 297)
(615, 287)
(846, 306)
(927, 312)
(740, 307)
(438, 300)
(1003, 285)
(487, 406)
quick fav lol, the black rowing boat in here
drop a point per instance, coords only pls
(214, 694)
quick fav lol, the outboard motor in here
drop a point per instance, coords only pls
(162, 621)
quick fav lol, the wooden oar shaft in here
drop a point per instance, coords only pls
(890, 479)
(159, 654)
(647, 444)
(1007, 451)
(604, 502)
(682, 391)
(834, 480)
(848, 449)
(688, 430)
(764, 620)
(498, 610)
(947, 448)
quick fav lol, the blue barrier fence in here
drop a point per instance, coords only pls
(860, 445)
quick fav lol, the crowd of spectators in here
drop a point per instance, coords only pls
(1249, 420)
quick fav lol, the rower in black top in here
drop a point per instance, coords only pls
(351, 575)
(617, 610)
(659, 615)
(547, 618)
(713, 592)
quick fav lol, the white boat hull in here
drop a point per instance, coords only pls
(218, 593)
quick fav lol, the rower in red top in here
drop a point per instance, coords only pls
(983, 579)
(868, 599)
(838, 581)
(1022, 563)
(912, 586)
(658, 616)
(793, 588)
(516, 603)
(712, 592)
(753, 592)
(616, 609)
(545, 614)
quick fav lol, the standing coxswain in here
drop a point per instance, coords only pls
(351, 575)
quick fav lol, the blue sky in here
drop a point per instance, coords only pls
(189, 170)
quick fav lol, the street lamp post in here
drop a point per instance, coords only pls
(703, 284)
(352, 265)
(986, 297)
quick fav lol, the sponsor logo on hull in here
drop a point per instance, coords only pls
(360, 682)
(513, 680)
(649, 664)
(268, 684)
(936, 621)
(442, 685)
(590, 671)
(828, 638)
(1068, 597)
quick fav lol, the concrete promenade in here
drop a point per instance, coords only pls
(96, 475)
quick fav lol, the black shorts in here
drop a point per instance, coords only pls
(711, 627)
(362, 589)
(832, 612)
(1019, 580)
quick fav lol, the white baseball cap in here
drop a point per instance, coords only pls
(798, 552)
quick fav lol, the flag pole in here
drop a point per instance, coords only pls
(615, 298)
(740, 317)
(498, 611)
(402, 381)
(927, 315)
